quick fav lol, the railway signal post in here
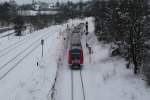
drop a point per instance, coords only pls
(86, 27)
(42, 43)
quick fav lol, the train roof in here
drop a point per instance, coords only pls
(75, 38)
(76, 31)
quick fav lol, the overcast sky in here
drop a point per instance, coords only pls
(29, 1)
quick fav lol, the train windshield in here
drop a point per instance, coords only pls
(75, 54)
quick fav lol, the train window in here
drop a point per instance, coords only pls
(77, 44)
(75, 54)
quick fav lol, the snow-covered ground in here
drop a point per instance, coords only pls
(108, 79)
(104, 78)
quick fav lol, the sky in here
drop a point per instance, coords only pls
(29, 1)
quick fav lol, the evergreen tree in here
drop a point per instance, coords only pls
(18, 25)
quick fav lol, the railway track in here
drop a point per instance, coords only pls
(13, 46)
(77, 85)
(6, 68)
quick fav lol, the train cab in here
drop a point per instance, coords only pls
(75, 59)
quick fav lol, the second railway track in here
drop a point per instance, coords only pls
(12, 63)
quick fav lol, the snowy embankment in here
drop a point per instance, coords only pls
(107, 78)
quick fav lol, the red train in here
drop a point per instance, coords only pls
(75, 54)
(75, 57)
